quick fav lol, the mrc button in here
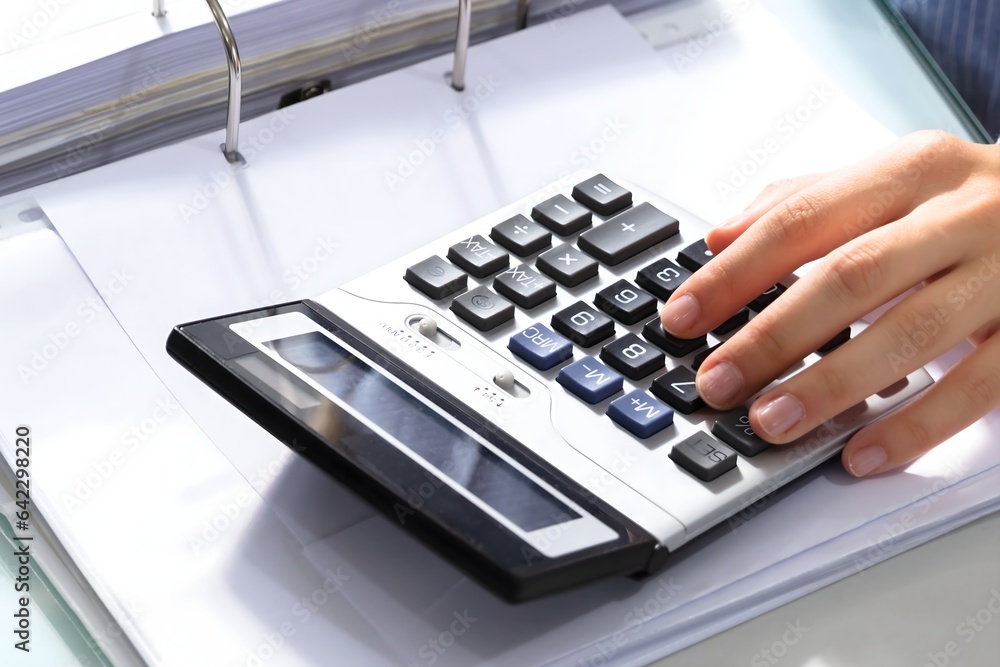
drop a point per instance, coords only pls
(540, 346)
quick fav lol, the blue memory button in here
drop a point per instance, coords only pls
(540, 346)
(640, 414)
(590, 380)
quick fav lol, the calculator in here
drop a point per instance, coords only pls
(508, 395)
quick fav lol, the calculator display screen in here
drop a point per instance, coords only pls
(385, 408)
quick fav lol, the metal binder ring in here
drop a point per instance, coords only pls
(159, 10)
(461, 44)
(231, 148)
(522, 14)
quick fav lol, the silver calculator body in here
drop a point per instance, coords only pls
(564, 455)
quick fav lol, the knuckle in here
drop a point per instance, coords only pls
(927, 146)
(981, 390)
(796, 219)
(763, 339)
(916, 435)
(854, 274)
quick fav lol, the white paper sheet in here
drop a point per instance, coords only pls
(315, 208)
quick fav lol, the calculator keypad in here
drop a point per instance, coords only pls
(600, 225)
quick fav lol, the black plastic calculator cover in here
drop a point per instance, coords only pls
(446, 521)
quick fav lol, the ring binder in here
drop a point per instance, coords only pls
(159, 10)
(522, 14)
(461, 44)
(231, 148)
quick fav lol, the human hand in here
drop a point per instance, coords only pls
(924, 211)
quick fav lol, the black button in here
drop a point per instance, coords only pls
(733, 428)
(703, 456)
(700, 358)
(767, 298)
(524, 286)
(483, 309)
(625, 302)
(734, 322)
(633, 357)
(695, 256)
(836, 341)
(583, 325)
(676, 389)
(521, 236)
(602, 195)
(478, 256)
(662, 278)
(567, 265)
(675, 347)
(627, 234)
(562, 215)
(436, 278)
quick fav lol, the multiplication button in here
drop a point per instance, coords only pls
(436, 278)
(483, 309)
(590, 380)
(567, 265)
(540, 346)
(640, 414)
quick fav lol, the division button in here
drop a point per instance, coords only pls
(478, 256)
(483, 309)
(602, 195)
(583, 325)
(676, 388)
(662, 278)
(540, 346)
(625, 302)
(695, 255)
(769, 296)
(567, 265)
(640, 414)
(562, 215)
(675, 347)
(627, 234)
(733, 428)
(703, 456)
(741, 317)
(633, 357)
(524, 286)
(521, 236)
(590, 380)
(436, 278)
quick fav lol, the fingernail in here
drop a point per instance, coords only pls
(720, 384)
(780, 414)
(866, 461)
(680, 314)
